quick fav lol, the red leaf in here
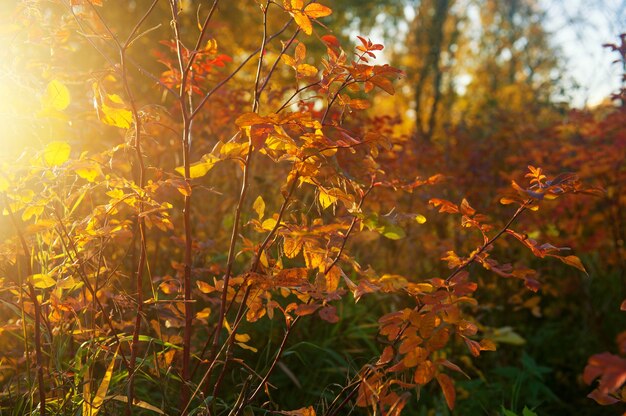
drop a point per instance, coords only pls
(331, 41)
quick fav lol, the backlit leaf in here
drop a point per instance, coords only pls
(204, 287)
(303, 21)
(259, 207)
(573, 261)
(98, 400)
(326, 199)
(115, 113)
(56, 153)
(246, 347)
(56, 96)
(393, 232)
(42, 281)
(315, 10)
(201, 168)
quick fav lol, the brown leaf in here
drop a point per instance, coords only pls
(329, 314)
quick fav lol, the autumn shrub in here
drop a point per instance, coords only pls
(211, 216)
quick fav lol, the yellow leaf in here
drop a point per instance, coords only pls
(303, 21)
(288, 60)
(233, 149)
(56, 153)
(115, 113)
(242, 337)
(204, 313)
(306, 70)
(42, 281)
(295, 4)
(326, 199)
(315, 10)
(420, 219)
(292, 246)
(87, 170)
(268, 224)
(246, 347)
(204, 287)
(259, 207)
(313, 255)
(139, 403)
(96, 404)
(4, 183)
(32, 211)
(199, 169)
(56, 97)
(264, 260)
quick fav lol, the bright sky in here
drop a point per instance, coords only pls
(579, 28)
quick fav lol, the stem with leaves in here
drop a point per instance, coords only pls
(37, 306)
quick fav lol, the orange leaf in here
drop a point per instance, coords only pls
(303, 21)
(447, 386)
(204, 287)
(424, 373)
(473, 346)
(573, 261)
(305, 411)
(306, 309)
(315, 10)
(427, 325)
(249, 119)
(386, 356)
(291, 277)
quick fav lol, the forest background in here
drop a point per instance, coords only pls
(241, 207)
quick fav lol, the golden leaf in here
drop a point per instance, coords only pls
(42, 281)
(115, 113)
(56, 153)
(56, 96)
(306, 70)
(259, 207)
(303, 21)
(315, 10)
